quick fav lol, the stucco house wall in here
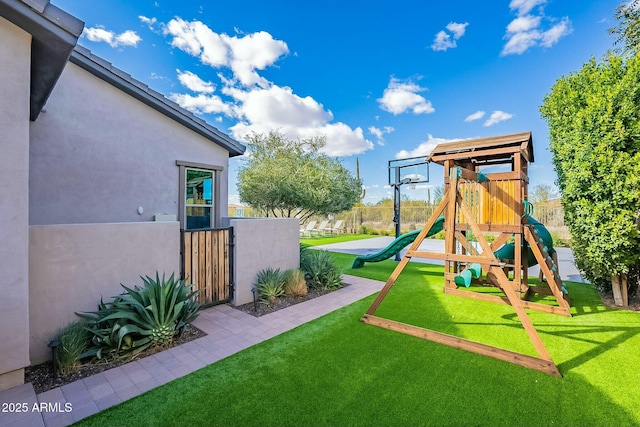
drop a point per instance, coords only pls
(88, 157)
(97, 155)
(262, 243)
(15, 52)
(72, 266)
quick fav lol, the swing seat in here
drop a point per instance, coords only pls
(464, 278)
(476, 270)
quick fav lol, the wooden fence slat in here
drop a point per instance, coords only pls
(201, 264)
(186, 253)
(222, 271)
(195, 276)
(215, 265)
(206, 262)
(208, 266)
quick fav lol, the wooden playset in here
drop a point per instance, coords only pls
(474, 204)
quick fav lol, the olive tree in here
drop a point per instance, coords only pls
(292, 178)
(594, 124)
(627, 30)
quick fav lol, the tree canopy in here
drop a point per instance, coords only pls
(292, 178)
(542, 193)
(594, 124)
(627, 30)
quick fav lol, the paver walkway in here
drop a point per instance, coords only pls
(229, 331)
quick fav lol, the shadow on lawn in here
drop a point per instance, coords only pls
(573, 332)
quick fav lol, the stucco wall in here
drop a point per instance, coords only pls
(72, 266)
(97, 154)
(261, 243)
(15, 48)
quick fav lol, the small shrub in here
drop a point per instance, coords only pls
(270, 284)
(364, 230)
(73, 341)
(385, 233)
(489, 238)
(141, 317)
(295, 283)
(559, 242)
(321, 271)
(439, 235)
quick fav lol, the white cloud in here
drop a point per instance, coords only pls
(375, 132)
(196, 39)
(457, 29)
(555, 33)
(525, 6)
(444, 40)
(126, 38)
(497, 117)
(255, 103)
(379, 133)
(262, 110)
(194, 83)
(253, 52)
(475, 116)
(400, 97)
(519, 43)
(151, 22)
(280, 107)
(528, 30)
(201, 104)
(424, 148)
(523, 23)
(242, 55)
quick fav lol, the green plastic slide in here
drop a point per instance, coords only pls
(508, 251)
(397, 245)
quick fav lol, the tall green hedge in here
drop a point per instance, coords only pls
(594, 124)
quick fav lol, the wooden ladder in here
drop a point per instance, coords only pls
(549, 268)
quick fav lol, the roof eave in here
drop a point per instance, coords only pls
(54, 34)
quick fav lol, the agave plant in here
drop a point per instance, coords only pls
(321, 271)
(141, 317)
(270, 284)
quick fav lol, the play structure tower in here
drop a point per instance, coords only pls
(476, 204)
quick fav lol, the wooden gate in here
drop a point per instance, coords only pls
(207, 262)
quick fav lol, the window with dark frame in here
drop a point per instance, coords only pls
(199, 195)
(199, 202)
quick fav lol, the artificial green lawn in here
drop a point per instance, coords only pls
(336, 238)
(338, 371)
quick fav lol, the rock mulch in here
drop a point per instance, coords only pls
(42, 378)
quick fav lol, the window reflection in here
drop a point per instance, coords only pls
(199, 198)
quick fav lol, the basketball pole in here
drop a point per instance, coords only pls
(396, 207)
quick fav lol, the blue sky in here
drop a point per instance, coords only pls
(380, 79)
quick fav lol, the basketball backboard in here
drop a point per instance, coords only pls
(412, 170)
